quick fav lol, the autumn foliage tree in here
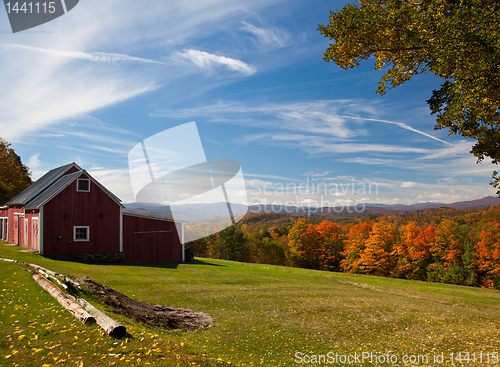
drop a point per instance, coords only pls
(230, 244)
(354, 247)
(332, 241)
(413, 251)
(305, 246)
(14, 175)
(316, 247)
(453, 255)
(377, 256)
(269, 247)
(296, 242)
(488, 255)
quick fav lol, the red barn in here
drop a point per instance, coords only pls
(67, 214)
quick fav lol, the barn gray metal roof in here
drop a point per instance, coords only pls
(50, 184)
(52, 190)
(42, 184)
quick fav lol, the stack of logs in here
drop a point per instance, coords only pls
(152, 315)
(82, 310)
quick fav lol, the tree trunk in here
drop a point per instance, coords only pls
(8, 260)
(54, 274)
(110, 326)
(70, 305)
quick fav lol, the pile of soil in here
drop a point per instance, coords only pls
(153, 315)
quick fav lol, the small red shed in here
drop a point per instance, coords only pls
(67, 214)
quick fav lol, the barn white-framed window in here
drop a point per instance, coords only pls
(81, 233)
(83, 185)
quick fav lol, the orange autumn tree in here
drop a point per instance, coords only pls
(354, 246)
(488, 255)
(413, 251)
(377, 256)
(331, 237)
(315, 247)
(313, 253)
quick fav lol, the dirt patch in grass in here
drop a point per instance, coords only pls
(153, 315)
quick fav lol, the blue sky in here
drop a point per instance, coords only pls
(90, 85)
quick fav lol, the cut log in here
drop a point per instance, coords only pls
(8, 260)
(39, 268)
(53, 274)
(110, 326)
(71, 306)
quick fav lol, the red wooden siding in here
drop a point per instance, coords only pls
(145, 240)
(71, 170)
(14, 216)
(32, 218)
(21, 228)
(70, 208)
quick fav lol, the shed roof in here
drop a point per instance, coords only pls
(42, 184)
(52, 190)
(50, 184)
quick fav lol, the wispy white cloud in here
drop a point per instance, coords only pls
(320, 117)
(408, 184)
(122, 152)
(50, 104)
(463, 165)
(314, 117)
(403, 126)
(52, 135)
(317, 174)
(318, 145)
(207, 61)
(454, 150)
(34, 162)
(262, 175)
(268, 36)
(102, 57)
(117, 180)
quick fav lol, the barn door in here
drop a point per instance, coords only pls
(25, 232)
(15, 230)
(35, 242)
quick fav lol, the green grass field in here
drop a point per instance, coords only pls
(264, 315)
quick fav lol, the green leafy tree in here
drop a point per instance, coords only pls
(231, 244)
(14, 175)
(458, 40)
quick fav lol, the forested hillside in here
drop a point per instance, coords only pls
(438, 245)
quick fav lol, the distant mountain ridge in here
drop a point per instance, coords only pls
(219, 210)
(478, 203)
